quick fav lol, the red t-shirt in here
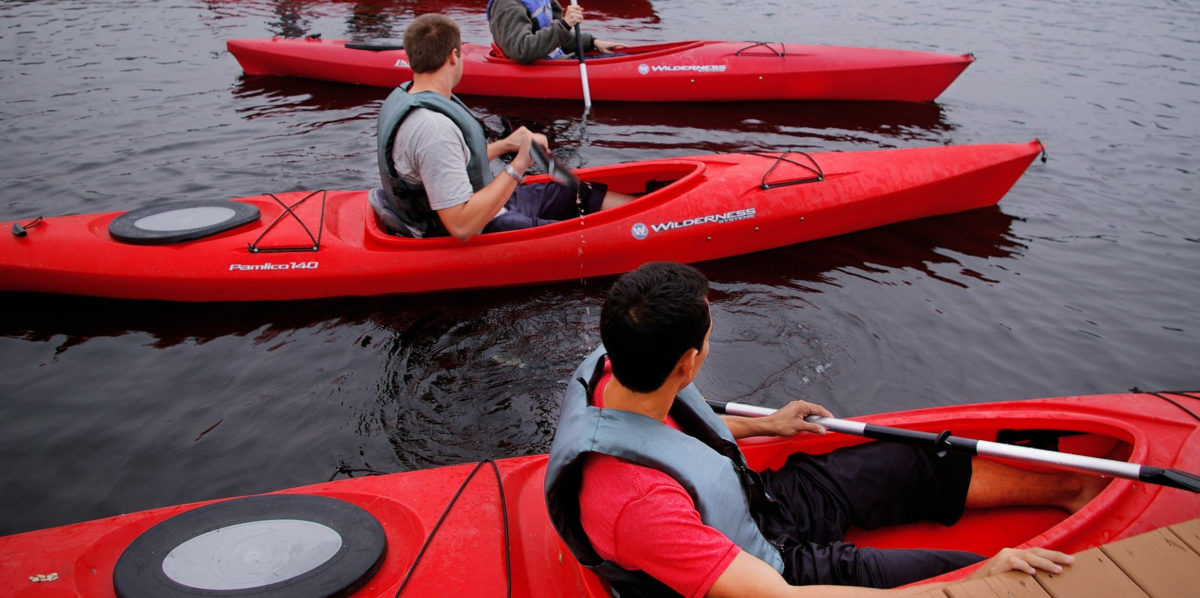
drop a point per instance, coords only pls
(642, 519)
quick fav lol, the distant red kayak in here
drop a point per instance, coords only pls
(687, 71)
(482, 549)
(329, 243)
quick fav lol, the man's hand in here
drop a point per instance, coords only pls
(519, 141)
(786, 421)
(1028, 560)
(573, 15)
(607, 47)
(789, 419)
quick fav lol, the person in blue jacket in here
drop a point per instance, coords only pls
(529, 30)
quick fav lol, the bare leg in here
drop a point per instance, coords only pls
(994, 484)
(613, 199)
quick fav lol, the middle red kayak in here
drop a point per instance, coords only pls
(685, 71)
(304, 245)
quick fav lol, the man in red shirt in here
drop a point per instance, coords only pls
(647, 487)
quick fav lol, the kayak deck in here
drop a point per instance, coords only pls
(467, 553)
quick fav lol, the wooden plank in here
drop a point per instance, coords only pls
(1189, 532)
(931, 593)
(1005, 585)
(1163, 563)
(1159, 562)
(1092, 574)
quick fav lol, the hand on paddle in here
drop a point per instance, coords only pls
(573, 15)
(785, 421)
(519, 141)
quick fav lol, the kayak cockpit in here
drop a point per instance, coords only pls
(986, 531)
(629, 53)
(651, 183)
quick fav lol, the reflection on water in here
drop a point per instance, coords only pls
(661, 129)
(644, 130)
(386, 19)
(917, 245)
(929, 246)
(290, 20)
(287, 98)
(373, 21)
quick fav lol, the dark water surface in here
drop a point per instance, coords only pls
(1085, 279)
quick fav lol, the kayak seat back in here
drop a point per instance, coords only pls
(178, 221)
(386, 216)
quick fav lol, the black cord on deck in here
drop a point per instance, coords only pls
(438, 525)
(1175, 403)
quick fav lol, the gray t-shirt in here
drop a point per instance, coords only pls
(430, 150)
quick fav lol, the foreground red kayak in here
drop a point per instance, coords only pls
(491, 539)
(329, 243)
(687, 71)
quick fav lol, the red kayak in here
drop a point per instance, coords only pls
(490, 539)
(686, 71)
(328, 243)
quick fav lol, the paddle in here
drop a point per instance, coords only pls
(945, 442)
(587, 93)
(558, 173)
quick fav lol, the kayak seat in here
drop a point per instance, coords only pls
(653, 185)
(178, 221)
(386, 217)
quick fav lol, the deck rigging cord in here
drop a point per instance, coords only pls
(504, 512)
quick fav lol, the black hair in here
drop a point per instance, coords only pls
(652, 316)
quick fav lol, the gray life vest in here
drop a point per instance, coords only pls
(705, 461)
(409, 201)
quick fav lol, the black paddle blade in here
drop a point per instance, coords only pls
(558, 173)
(1171, 477)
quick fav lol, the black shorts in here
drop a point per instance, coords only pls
(868, 486)
(543, 203)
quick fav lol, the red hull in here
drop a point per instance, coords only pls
(691, 71)
(467, 555)
(714, 208)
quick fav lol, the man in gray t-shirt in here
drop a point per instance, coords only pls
(432, 154)
(430, 150)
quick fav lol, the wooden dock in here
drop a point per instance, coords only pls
(1164, 563)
